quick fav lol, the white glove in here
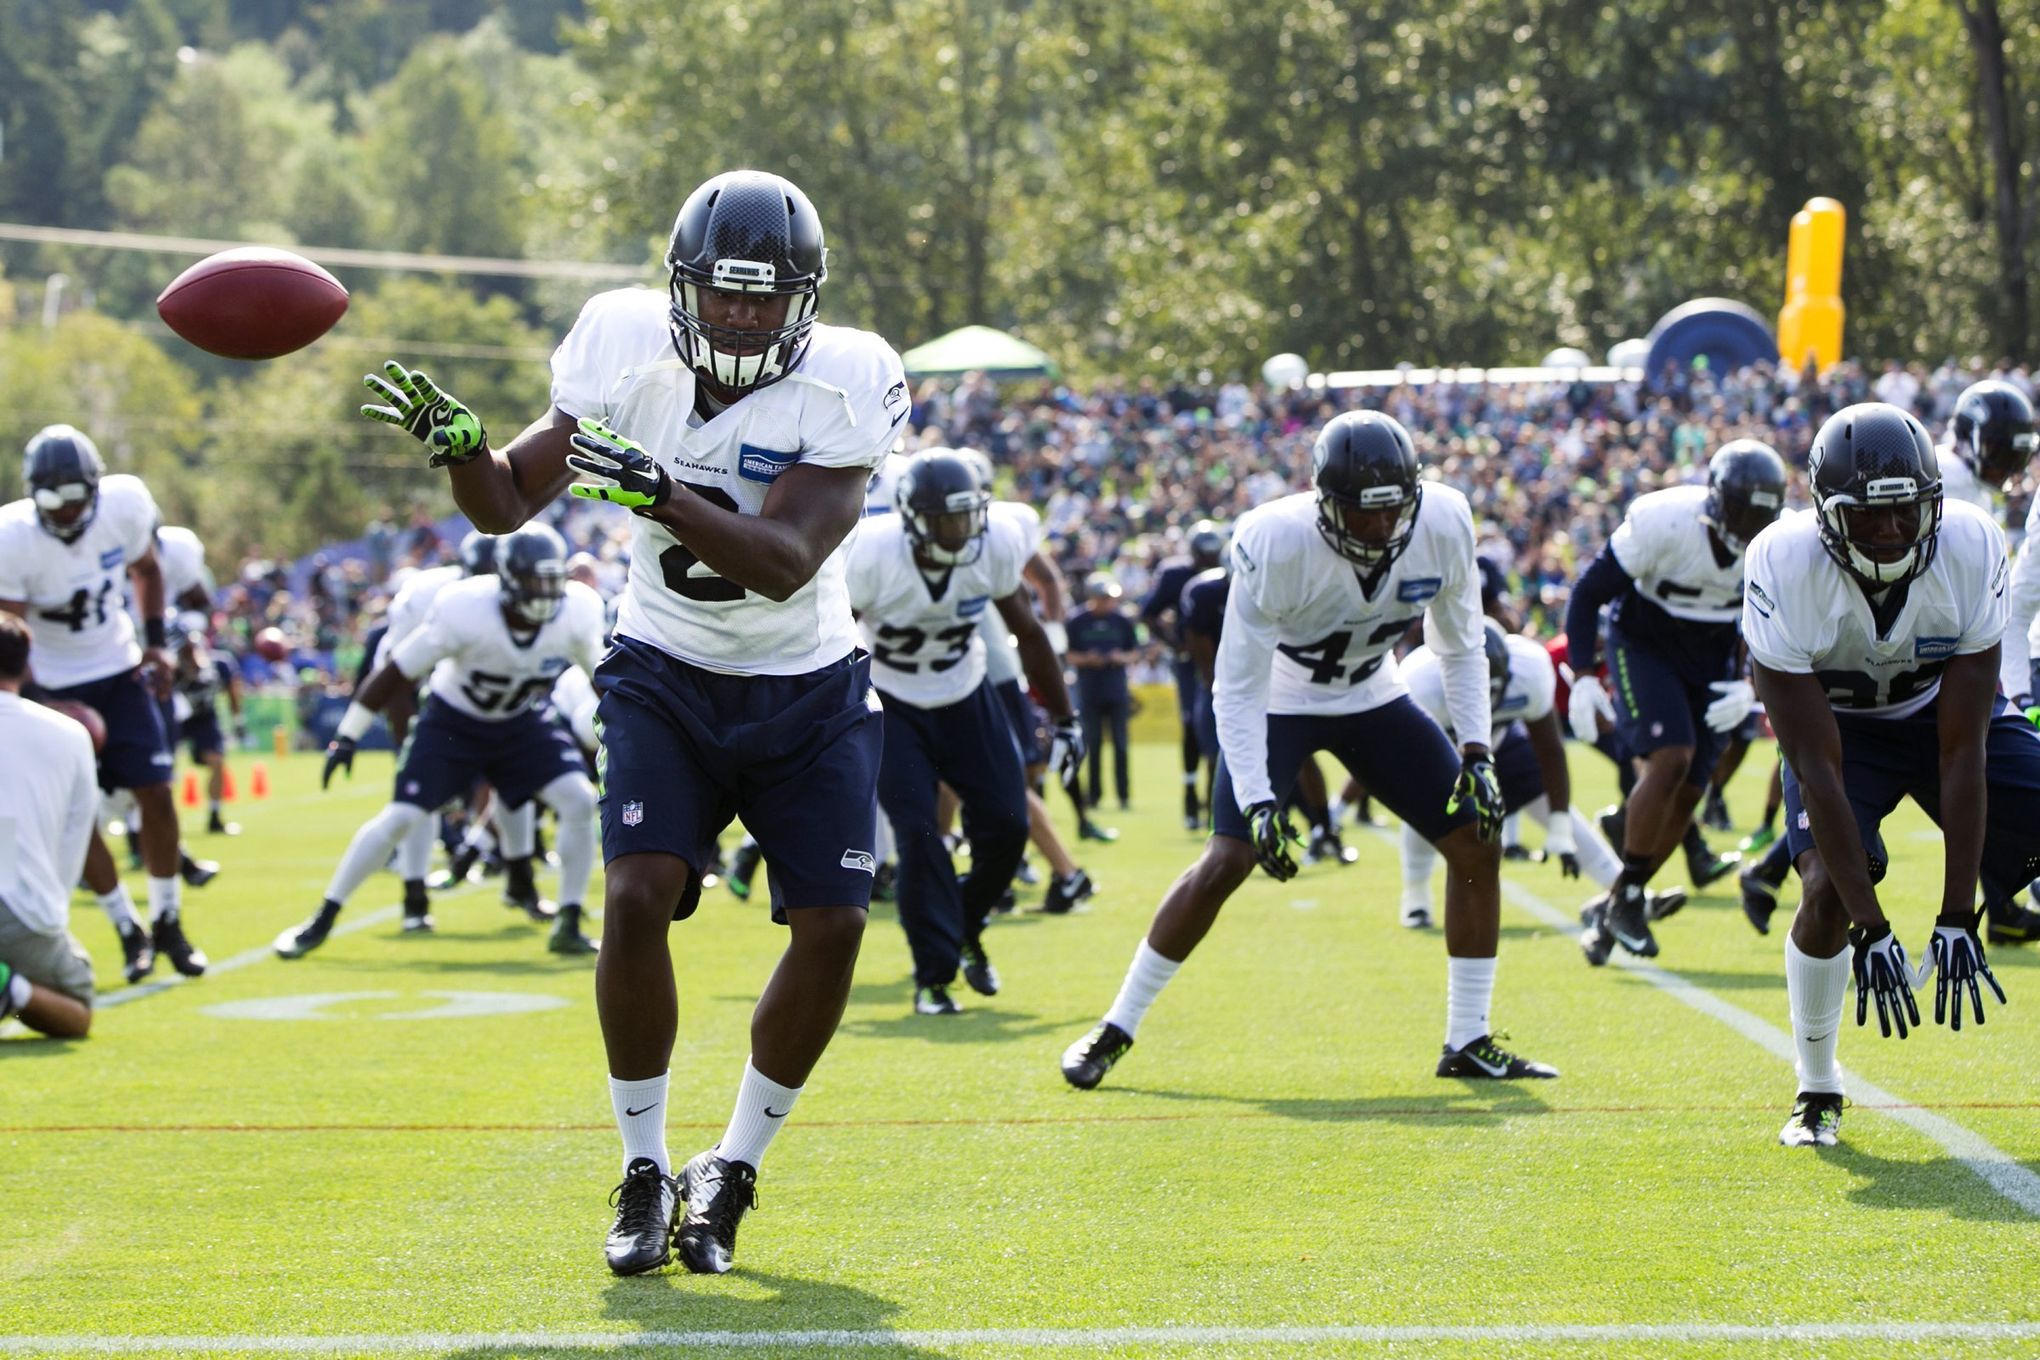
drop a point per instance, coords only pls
(1058, 636)
(1588, 702)
(1558, 836)
(1738, 697)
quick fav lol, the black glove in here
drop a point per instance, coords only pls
(1957, 956)
(339, 756)
(1568, 865)
(1882, 972)
(1479, 790)
(619, 470)
(1273, 835)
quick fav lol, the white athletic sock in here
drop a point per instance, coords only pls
(1512, 831)
(120, 908)
(573, 798)
(215, 807)
(762, 1106)
(516, 828)
(641, 1118)
(370, 849)
(1190, 779)
(1469, 987)
(1419, 858)
(19, 991)
(1815, 987)
(414, 852)
(165, 896)
(1149, 973)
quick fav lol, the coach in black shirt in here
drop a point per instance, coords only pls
(1103, 643)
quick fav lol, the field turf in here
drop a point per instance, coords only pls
(1273, 1170)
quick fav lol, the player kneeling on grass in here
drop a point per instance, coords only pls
(1323, 585)
(1874, 622)
(47, 804)
(494, 647)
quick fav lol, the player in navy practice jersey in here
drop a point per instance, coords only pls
(1165, 612)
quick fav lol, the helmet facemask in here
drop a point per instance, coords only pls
(1395, 505)
(1854, 530)
(52, 500)
(1738, 514)
(535, 595)
(961, 522)
(741, 360)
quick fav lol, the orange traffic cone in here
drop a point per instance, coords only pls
(227, 792)
(190, 795)
(258, 781)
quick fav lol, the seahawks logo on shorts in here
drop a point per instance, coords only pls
(860, 859)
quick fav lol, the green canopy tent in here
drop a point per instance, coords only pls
(978, 349)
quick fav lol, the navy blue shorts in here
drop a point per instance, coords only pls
(1027, 720)
(1207, 726)
(1396, 752)
(1517, 770)
(138, 751)
(201, 734)
(685, 750)
(369, 646)
(448, 751)
(1887, 759)
(1189, 688)
(1659, 705)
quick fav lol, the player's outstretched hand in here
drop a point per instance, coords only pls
(1558, 843)
(1957, 956)
(618, 470)
(1273, 835)
(413, 403)
(339, 756)
(1883, 973)
(1066, 751)
(1726, 714)
(1480, 792)
(1588, 703)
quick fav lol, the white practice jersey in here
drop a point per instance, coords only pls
(1002, 658)
(480, 667)
(412, 604)
(885, 480)
(1302, 635)
(1529, 695)
(76, 592)
(183, 560)
(574, 696)
(1959, 481)
(2022, 628)
(1805, 615)
(842, 408)
(925, 648)
(1665, 548)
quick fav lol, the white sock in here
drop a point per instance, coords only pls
(414, 853)
(1469, 987)
(1149, 973)
(165, 896)
(1815, 987)
(479, 836)
(215, 807)
(573, 798)
(1419, 858)
(370, 849)
(516, 828)
(1512, 834)
(1189, 779)
(19, 991)
(120, 908)
(641, 1118)
(762, 1106)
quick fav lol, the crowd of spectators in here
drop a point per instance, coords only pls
(1122, 471)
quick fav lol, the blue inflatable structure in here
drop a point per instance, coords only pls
(1730, 335)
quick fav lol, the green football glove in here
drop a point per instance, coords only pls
(1480, 792)
(619, 470)
(413, 402)
(1272, 835)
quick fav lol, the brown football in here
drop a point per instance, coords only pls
(253, 302)
(85, 716)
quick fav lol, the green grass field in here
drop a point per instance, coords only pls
(1273, 1170)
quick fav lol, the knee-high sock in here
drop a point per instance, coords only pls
(1814, 989)
(573, 798)
(1418, 861)
(516, 828)
(414, 852)
(370, 848)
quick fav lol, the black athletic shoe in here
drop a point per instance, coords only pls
(566, 935)
(1667, 903)
(462, 865)
(1628, 920)
(1613, 822)
(521, 892)
(1325, 846)
(744, 867)
(935, 1001)
(885, 882)
(299, 941)
(2011, 922)
(1486, 1060)
(1193, 809)
(196, 873)
(978, 971)
(217, 825)
(417, 909)
(1065, 894)
(1759, 900)
(1520, 852)
(169, 940)
(138, 953)
(718, 1195)
(1714, 816)
(1595, 941)
(647, 1207)
(1703, 866)
(1025, 874)
(1088, 830)
(1816, 1121)
(1085, 1062)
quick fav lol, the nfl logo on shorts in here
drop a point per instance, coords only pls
(633, 812)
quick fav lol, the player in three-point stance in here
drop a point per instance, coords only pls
(67, 555)
(1323, 585)
(741, 434)
(491, 649)
(1673, 570)
(919, 580)
(1873, 622)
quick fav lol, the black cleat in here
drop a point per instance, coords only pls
(1521, 853)
(1659, 905)
(744, 866)
(1065, 894)
(1628, 920)
(647, 1207)
(1085, 1062)
(1486, 1060)
(885, 883)
(1816, 1120)
(417, 909)
(1088, 830)
(718, 1195)
(1595, 941)
(1613, 824)
(138, 953)
(1715, 815)
(217, 825)
(1759, 900)
(566, 935)
(461, 867)
(196, 873)
(1193, 810)
(169, 940)
(2010, 922)
(978, 971)
(1325, 846)
(1703, 866)
(935, 1001)
(299, 941)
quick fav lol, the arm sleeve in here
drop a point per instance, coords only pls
(1239, 696)
(426, 645)
(1769, 640)
(1455, 629)
(2023, 599)
(1604, 580)
(81, 813)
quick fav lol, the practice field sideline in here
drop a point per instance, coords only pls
(403, 1146)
